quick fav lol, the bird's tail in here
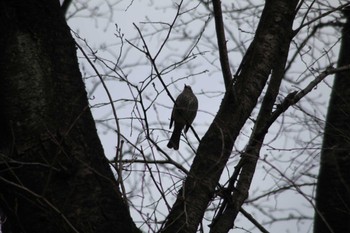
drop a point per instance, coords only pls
(175, 137)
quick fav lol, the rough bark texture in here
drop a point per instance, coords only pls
(223, 221)
(333, 186)
(239, 101)
(53, 173)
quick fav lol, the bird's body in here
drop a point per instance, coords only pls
(183, 114)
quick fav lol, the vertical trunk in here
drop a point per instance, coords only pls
(53, 174)
(333, 186)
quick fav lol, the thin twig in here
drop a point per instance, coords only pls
(320, 17)
(118, 152)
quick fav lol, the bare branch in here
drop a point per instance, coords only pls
(221, 39)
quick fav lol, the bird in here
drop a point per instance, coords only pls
(183, 114)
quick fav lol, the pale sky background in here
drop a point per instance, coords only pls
(99, 32)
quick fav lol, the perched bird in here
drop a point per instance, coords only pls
(184, 112)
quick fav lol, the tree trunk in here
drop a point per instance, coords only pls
(333, 186)
(53, 173)
(272, 38)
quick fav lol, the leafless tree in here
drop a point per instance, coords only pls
(262, 72)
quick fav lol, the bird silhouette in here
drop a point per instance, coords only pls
(183, 114)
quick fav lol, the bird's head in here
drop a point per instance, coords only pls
(187, 87)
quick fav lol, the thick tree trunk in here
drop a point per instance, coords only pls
(53, 173)
(333, 186)
(272, 38)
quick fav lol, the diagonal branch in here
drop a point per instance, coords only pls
(294, 97)
(216, 146)
(237, 195)
(246, 166)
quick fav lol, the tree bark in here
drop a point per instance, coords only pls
(333, 185)
(53, 173)
(239, 100)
